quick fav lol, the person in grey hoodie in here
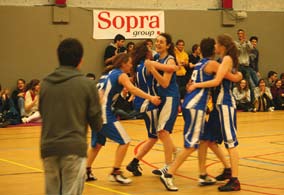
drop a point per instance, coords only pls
(69, 102)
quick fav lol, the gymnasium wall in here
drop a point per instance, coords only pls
(28, 38)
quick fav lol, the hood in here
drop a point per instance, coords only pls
(62, 74)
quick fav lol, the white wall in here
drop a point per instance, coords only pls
(248, 5)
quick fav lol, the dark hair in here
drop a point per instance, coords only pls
(271, 73)
(231, 49)
(194, 48)
(239, 85)
(120, 59)
(253, 38)
(91, 76)
(70, 52)
(169, 42)
(180, 41)
(207, 47)
(31, 85)
(118, 37)
(260, 81)
(140, 52)
(242, 30)
(282, 75)
(130, 43)
(23, 80)
(149, 40)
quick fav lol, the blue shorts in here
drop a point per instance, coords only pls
(151, 120)
(227, 116)
(193, 126)
(168, 113)
(115, 132)
(212, 128)
(97, 138)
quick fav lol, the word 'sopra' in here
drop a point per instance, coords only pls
(130, 22)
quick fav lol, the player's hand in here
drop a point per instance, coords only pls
(148, 64)
(155, 100)
(190, 87)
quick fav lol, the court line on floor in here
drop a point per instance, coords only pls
(40, 170)
(149, 164)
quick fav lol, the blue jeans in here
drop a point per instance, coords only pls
(21, 104)
(64, 175)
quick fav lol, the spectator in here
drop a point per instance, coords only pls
(8, 112)
(130, 47)
(18, 97)
(150, 46)
(278, 95)
(31, 102)
(91, 76)
(194, 58)
(114, 48)
(123, 106)
(66, 115)
(244, 48)
(182, 61)
(242, 96)
(254, 56)
(263, 97)
(271, 78)
(282, 79)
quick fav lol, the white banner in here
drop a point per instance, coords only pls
(131, 24)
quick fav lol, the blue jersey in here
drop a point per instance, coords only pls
(112, 90)
(172, 90)
(145, 82)
(225, 96)
(198, 98)
(101, 82)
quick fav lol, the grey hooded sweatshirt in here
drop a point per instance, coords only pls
(68, 103)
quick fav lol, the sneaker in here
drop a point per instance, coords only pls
(205, 180)
(24, 120)
(161, 171)
(271, 109)
(90, 176)
(118, 177)
(167, 180)
(232, 185)
(227, 174)
(134, 168)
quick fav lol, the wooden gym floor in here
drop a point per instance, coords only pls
(261, 166)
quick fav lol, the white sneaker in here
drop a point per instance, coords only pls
(271, 109)
(25, 120)
(118, 177)
(161, 171)
(206, 180)
(167, 180)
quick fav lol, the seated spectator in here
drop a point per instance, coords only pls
(242, 95)
(271, 78)
(18, 96)
(8, 112)
(282, 79)
(263, 97)
(130, 47)
(91, 76)
(123, 106)
(278, 95)
(31, 102)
